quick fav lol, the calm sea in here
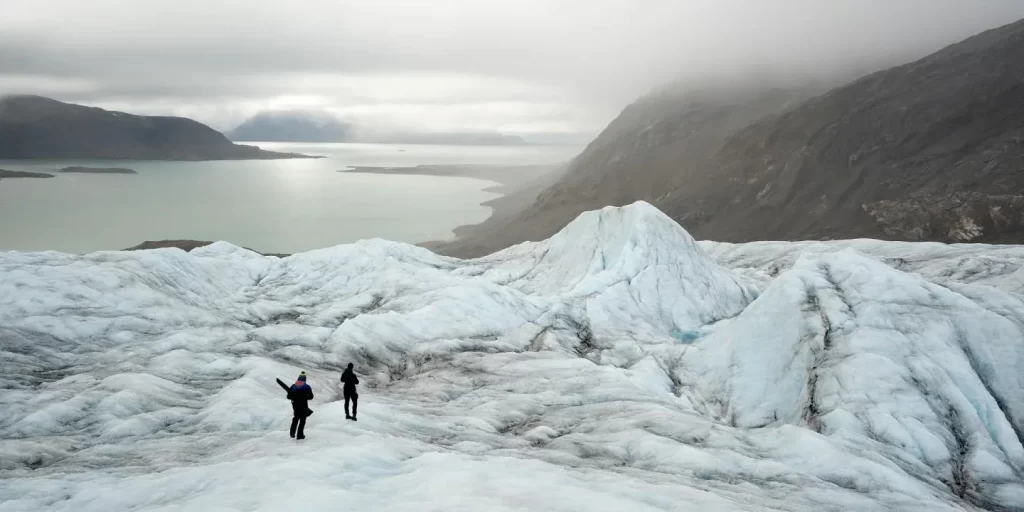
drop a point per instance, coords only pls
(268, 205)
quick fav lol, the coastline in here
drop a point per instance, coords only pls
(519, 186)
(509, 177)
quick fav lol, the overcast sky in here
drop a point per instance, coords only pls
(517, 66)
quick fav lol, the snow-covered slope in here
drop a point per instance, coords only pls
(855, 375)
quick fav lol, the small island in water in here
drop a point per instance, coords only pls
(98, 170)
(22, 174)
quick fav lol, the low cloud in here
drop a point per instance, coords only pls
(517, 66)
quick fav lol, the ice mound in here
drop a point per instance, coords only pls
(856, 375)
(848, 347)
(633, 268)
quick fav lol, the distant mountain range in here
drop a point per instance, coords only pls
(293, 126)
(452, 138)
(930, 150)
(38, 127)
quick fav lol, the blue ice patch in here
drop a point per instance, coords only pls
(685, 337)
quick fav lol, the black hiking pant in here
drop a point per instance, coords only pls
(355, 403)
(299, 422)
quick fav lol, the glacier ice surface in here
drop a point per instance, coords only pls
(848, 375)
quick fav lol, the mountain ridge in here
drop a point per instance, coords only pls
(931, 150)
(291, 126)
(34, 127)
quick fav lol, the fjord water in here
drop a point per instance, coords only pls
(269, 205)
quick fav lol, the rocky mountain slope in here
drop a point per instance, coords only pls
(633, 158)
(931, 150)
(37, 127)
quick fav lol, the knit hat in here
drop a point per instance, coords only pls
(302, 376)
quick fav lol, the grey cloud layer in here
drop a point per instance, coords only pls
(583, 58)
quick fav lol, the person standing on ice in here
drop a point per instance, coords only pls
(349, 378)
(300, 394)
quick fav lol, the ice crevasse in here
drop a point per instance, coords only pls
(851, 375)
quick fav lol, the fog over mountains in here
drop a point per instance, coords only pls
(525, 67)
(298, 126)
(929, 150)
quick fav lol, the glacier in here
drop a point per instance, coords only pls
(845, 375)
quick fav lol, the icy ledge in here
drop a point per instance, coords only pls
(856, 375)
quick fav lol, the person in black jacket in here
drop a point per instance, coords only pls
(300, 394)
(349, 378)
